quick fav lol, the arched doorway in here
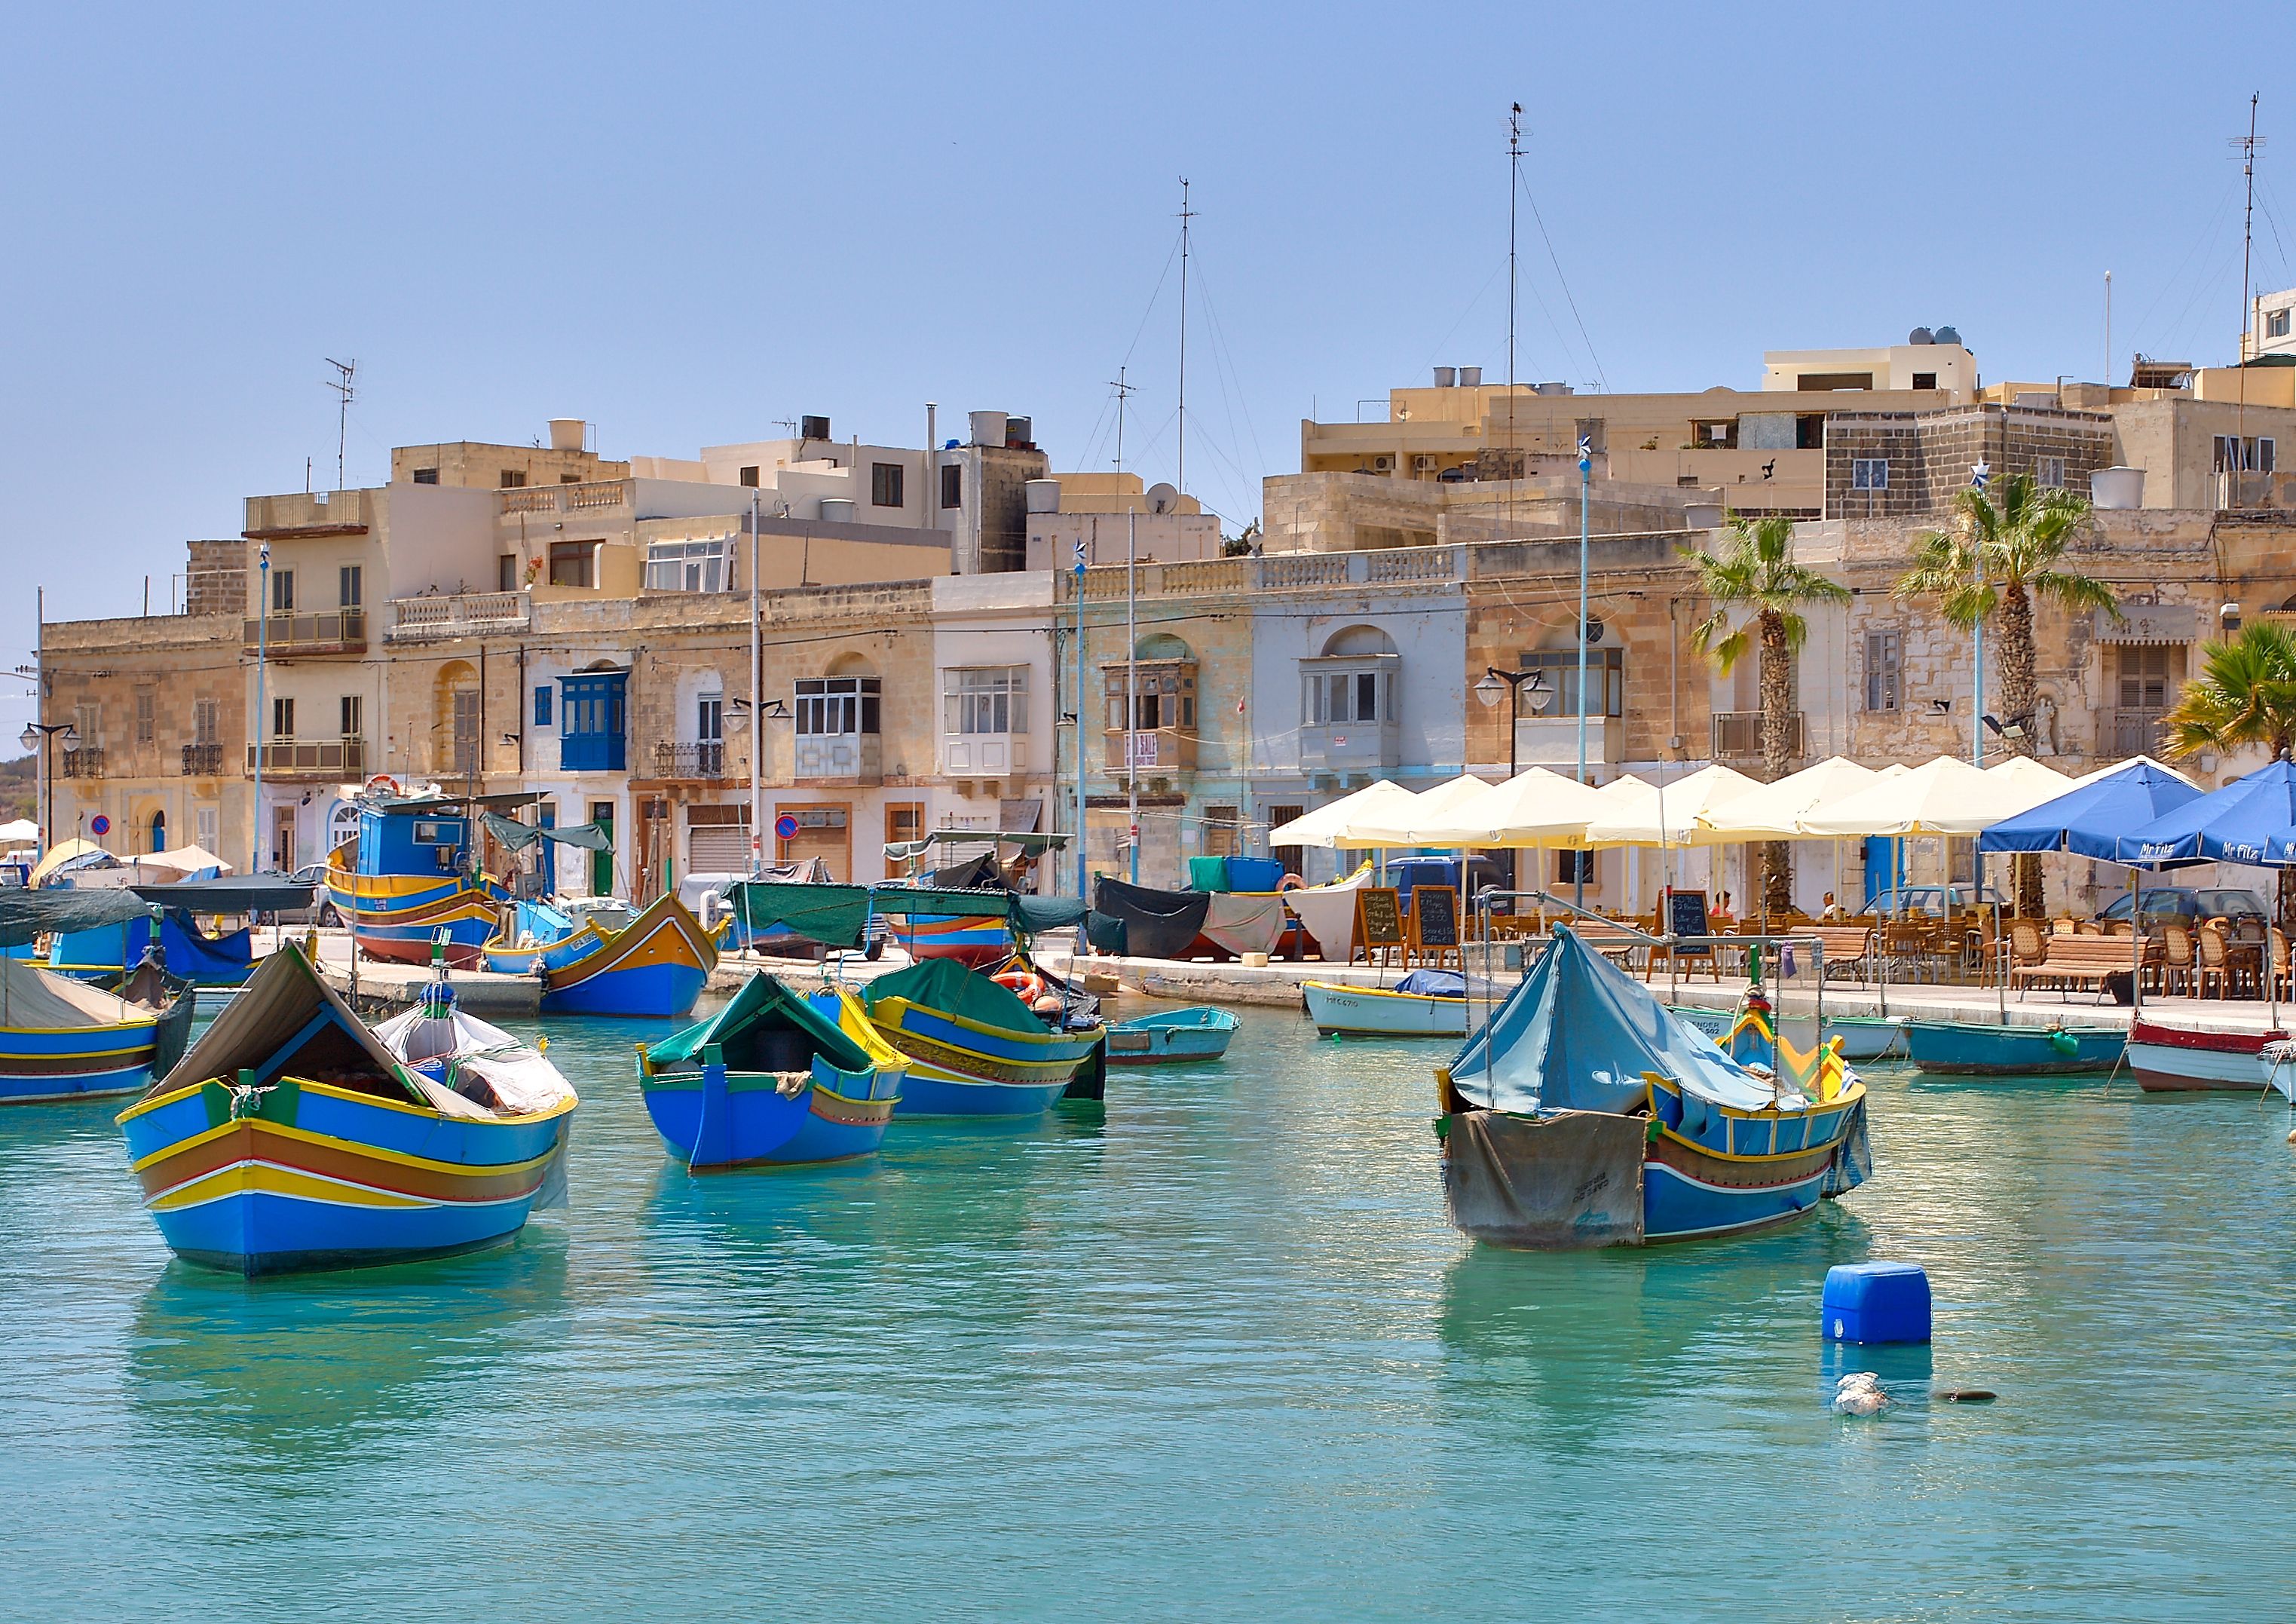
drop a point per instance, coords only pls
(159, 830)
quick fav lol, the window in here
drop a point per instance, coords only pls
(688, 566)
(884, 485)
(1573, 867)
(1883, 661)
(89, 720)
(837, 706)
(542, 705)
(2050, 471)
(1606, 674)
(1714, 433)
(352, 717)
(513, 479)
(2275, 325)
(2234, 455)
(709, 719)
(145, 724)
(1348, 696)
(1925, 380)
(426, 476)
(283, 719)
(1869, 473)
(204, 820)
(1809, 432)
(2146, 676)
(506, 572)
(283, 592)
(992, 699)
(574, 563)
(749, 475)
(952, 486)
(354, 585)
(207, 722)
(2264, 456)
(590, 722)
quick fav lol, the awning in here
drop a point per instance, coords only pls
(517, 836)
(254, 894)
(837, 916)
(1030, 844)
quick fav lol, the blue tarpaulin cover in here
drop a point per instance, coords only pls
(2251, 821)
(2090, 820)
(1577, 1035)
(1434, 984)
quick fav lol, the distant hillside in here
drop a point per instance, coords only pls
(19, 782)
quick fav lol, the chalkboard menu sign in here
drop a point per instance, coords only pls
(1435, 916)
(1686, 915)
(1379, 920)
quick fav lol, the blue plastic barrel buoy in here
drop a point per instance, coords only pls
(1876, 1302)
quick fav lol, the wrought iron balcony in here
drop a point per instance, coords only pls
(705, 759)
(85, 762)
(284, 635)
(202, 760)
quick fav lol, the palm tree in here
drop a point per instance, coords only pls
(1758, 594)
(1990, 567)
(2245, 695)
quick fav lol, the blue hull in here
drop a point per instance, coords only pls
(643, 992)
(925, 1095)
(1677, 1207)
(1954, 1048)
(257, 1232)
(25, 1090)
(754, 1125)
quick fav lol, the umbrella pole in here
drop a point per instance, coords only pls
(2137, 952)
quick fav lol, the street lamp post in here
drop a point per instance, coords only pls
(262, 650)
(1496, 685)
(41, 736)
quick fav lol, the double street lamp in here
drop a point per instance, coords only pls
(1510, 685)
(41, 736)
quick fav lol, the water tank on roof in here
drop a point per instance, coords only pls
(1018, 430)
(1947, 335)
(987, 427)
(566, 433)
(813, 428)
(1471, 377)
(1551, 388)
(1921, 335)
(837, 510)
(2117, 487)
(1447, 377)
(1044, 496)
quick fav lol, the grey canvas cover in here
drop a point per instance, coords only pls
(1574, 1178)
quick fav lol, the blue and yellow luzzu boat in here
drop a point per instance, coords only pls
(975, 1049)
(1585, 1114)
(409, 875)
(292, 1137)
(771, 1078)
(64, 1039)
(653, 967)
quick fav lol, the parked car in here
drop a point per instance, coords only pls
(1935, 901)
(2190, 904)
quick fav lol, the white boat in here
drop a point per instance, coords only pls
(1424, 1004)
(2176, 1058)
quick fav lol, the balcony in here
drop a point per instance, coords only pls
(1157, 751)
(595, 495)
(1553, 740)
(335, 758)
(704, 760)
(1342, 747)
(306, 513)
(2135, 731)
(1738, 735)
(984, 754)
(284, 635)
(842, 757)
(202, 760)
(441, 616)
(85, 762)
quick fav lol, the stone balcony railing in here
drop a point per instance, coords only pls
(459, 614)
(592, 497)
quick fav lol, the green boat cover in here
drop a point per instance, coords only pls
(835, 914)
(948, 986)
(1208, 873)
(24, 914)
(745, 1031)
(517, 836)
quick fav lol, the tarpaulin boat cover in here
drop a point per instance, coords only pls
(948, 986)
(253, 894)
(25, 913)
(1434, 984)
(763, 1005)
(445, 1049)
(191, 955)
(837, 916)
(1577, 1035)
(1245, 924)
(1574, 1178)
(516, 836)
(1328, 914)
(1156, 924)
(30, 996)
(280, 1000)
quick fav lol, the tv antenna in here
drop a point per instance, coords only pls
(344, 394)
(2246, 146)
(1124, 392)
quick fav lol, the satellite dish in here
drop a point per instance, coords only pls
(1162, 498)
(1921, 335)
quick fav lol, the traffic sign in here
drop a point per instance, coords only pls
(101, 824)
(785, 828)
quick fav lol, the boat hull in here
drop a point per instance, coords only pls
(1373, 1012)
(962, 1068)
(717, 1119)
(43, 1064)
(1189, 1034)
(1953, 1048)
(974, 941)
(653, 968)
(1862, 1037)
(2178, 1060)
(395, 916)
(308, 1177)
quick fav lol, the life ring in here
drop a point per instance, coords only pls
(382, 781)
(1290, 882)
(1025, 985)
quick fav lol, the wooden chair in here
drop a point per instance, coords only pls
(2119, 927)
(2028, 948)
(2065, 926)
(2175, 958)
(2088, 927)
(2277, 960)
(2214, 969)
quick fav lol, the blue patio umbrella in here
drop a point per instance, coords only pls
(2089, 819)
(2251, 820)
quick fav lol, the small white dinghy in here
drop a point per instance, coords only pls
(1424, 1004)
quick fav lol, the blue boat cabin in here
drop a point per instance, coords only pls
(399, 843)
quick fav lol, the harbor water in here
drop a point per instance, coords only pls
(1209, 1352)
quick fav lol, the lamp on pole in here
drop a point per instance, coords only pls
(1586, 472)
(1498, 684)
(41, 736)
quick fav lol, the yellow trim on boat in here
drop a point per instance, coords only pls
(305, 1136)
(329, 1091)
(1386, 992)
(269, 1178)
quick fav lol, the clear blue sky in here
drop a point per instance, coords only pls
(687, 225)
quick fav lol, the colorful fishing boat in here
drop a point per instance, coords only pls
(410, 874)
(975, 1049)
(292, 1137)
(773, 1079)
(978, 936)
(1170, 1037)
(655, 966)
(62, 1039)
(1857, 1039)
(1424, 1004)
(2178, 1058)
(1978, 1048)
(1585, 1114)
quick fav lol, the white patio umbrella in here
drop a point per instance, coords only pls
(1624, 788)
(2025, 773)
(1668, 815)
(1535, 808)
(1396, 824)
(1774, 811)
(1325, 825)
(23, 832)
(1947, 796)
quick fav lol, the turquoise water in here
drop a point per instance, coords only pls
(1211, 1353)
